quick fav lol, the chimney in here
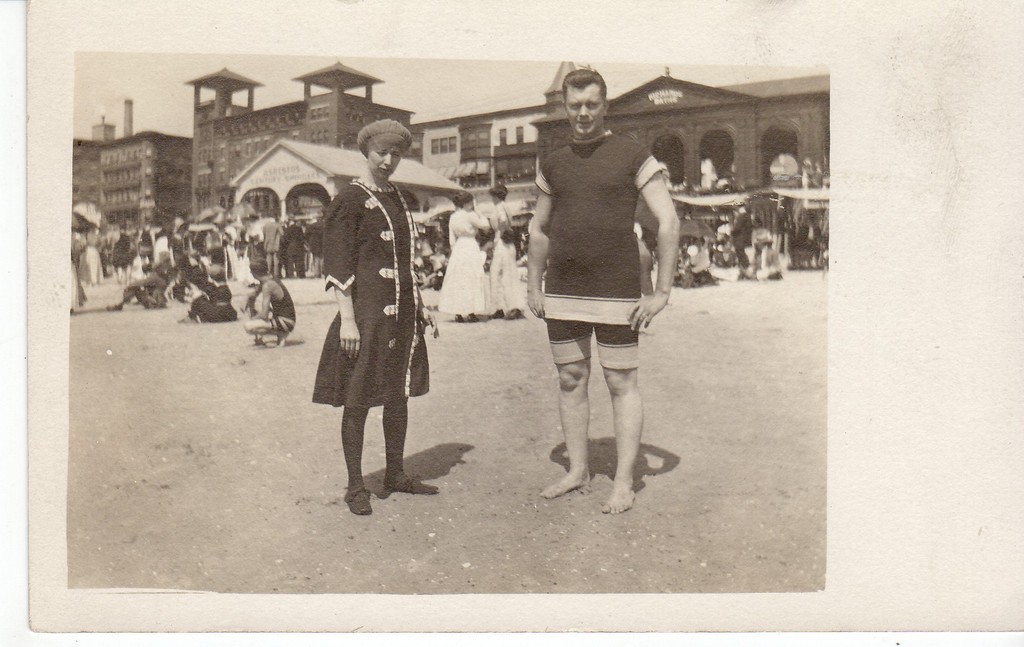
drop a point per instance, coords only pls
(128, 132)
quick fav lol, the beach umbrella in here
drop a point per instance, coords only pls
(79, 223)
(209, 213)
(241, 211)
(423, 218)
(89, 212)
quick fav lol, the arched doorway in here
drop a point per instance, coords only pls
(264, 201)
(778, 149)
(307, 201)
(717, 146)
(668, 149)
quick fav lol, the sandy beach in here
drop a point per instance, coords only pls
(197, 461)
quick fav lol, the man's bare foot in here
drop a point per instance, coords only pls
(567, 484)
(620, 500)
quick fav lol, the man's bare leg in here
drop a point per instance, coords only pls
(574, 408)
(628, 414)
(258, 328)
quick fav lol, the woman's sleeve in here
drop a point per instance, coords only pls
(452, 231)
(341, 249)
(481, 223)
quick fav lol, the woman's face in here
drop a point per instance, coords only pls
(383, 159)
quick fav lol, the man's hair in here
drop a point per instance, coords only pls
(259, 267)
(580, 79)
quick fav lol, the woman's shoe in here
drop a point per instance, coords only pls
(358, 501)
(409, 486)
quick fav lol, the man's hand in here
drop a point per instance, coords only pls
(349, 336)
(646, 308)
(535, 299)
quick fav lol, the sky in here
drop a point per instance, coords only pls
(432, 89)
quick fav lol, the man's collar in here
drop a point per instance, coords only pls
(592, 140)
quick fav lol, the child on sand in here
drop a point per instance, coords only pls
(275, 314)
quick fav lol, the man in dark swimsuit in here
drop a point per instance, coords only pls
(276, 314)
(584, 251)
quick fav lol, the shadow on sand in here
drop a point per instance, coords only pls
(601, 453)
(426, 465)
(288, 343)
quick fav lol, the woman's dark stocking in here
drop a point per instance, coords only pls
(353, 422)
(396, 422)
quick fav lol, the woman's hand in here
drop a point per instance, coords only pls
(430, 322)
(349, 336)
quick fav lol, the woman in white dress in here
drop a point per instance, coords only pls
(464, 292)
(92, 268)
(508, 298)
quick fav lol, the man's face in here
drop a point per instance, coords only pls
(586, 109)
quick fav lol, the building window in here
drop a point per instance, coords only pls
(444, 145)
(519, 134)
(502, 137)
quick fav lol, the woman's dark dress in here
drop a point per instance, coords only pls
(368, 245)
(122, 256)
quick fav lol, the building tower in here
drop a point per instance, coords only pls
(225, 84)
(103, 132)
(207, 186)
(553, 96)
(335, 118)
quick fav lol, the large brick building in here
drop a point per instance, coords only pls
(147, 176)
(227, 137)
(140, 177)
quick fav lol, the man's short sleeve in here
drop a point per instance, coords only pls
(649, 168)
(542, 182)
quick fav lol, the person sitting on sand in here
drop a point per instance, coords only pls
(151, 290)
(697, 267)
(213, 305)
(275, 314)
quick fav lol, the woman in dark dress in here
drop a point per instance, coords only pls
(122, 257)
(213, 303)
(374, 354)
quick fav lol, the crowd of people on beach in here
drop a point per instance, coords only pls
(193, 263)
